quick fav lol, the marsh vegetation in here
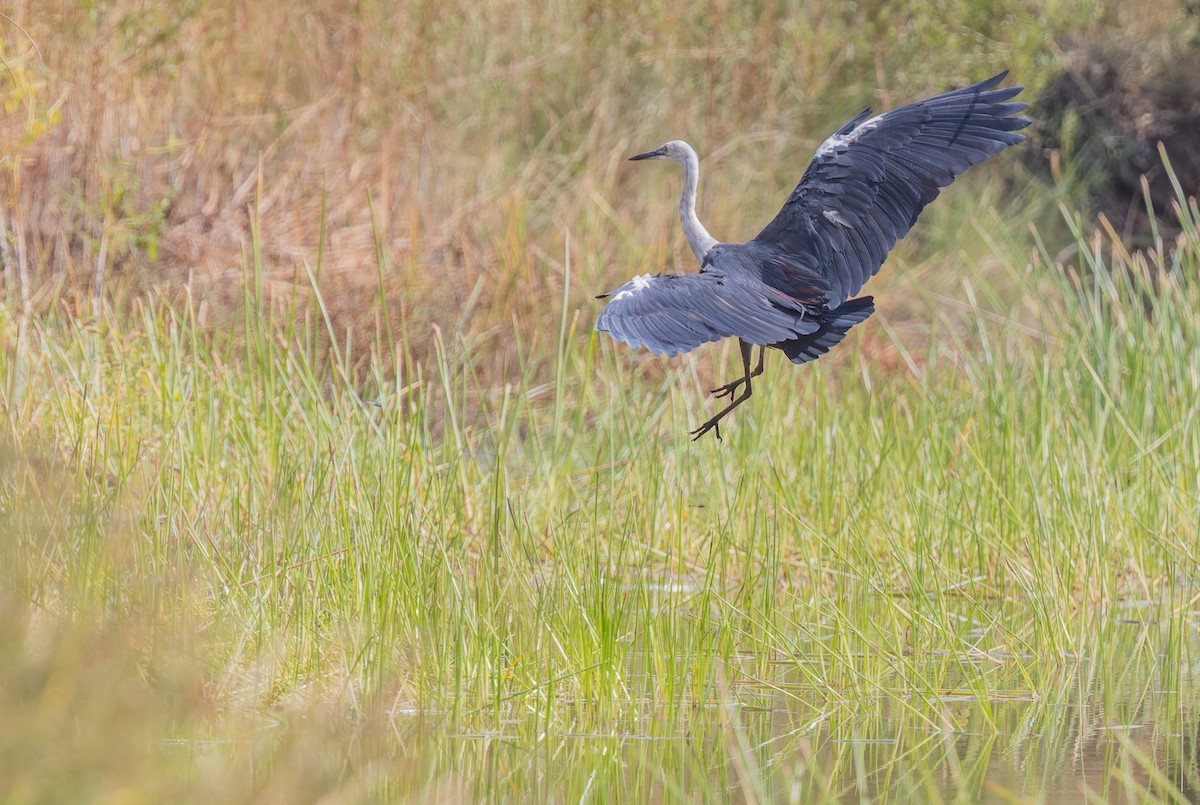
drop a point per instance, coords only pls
(315, 482)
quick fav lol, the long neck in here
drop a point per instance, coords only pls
(697, 236)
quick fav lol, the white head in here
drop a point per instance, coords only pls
(675, 150)
(678, 151)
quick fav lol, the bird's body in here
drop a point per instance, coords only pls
(790, 287)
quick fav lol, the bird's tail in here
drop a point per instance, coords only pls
(834, 326)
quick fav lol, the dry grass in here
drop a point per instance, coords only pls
(463, 144)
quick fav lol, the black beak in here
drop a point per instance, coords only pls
(657, 152)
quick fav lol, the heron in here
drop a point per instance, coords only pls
(793, 286)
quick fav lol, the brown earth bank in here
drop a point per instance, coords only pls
(1104, 123)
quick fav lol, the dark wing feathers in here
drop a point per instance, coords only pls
(870, 180)
(853, 122)
(670, 314)
(834, 325)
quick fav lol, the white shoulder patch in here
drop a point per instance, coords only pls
(636, 285)
(836, 141)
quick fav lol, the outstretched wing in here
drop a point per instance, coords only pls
(670, 314)
(869, 181)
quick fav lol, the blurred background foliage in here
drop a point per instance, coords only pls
(463, 142)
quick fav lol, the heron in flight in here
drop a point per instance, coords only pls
(790, 287)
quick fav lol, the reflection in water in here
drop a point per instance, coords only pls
(1118, 723)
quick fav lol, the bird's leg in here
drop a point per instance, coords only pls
(729, 388)
(714, 423)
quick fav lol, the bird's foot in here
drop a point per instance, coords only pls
(728, 389)
(712, 424)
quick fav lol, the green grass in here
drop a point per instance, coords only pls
(249, 567)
